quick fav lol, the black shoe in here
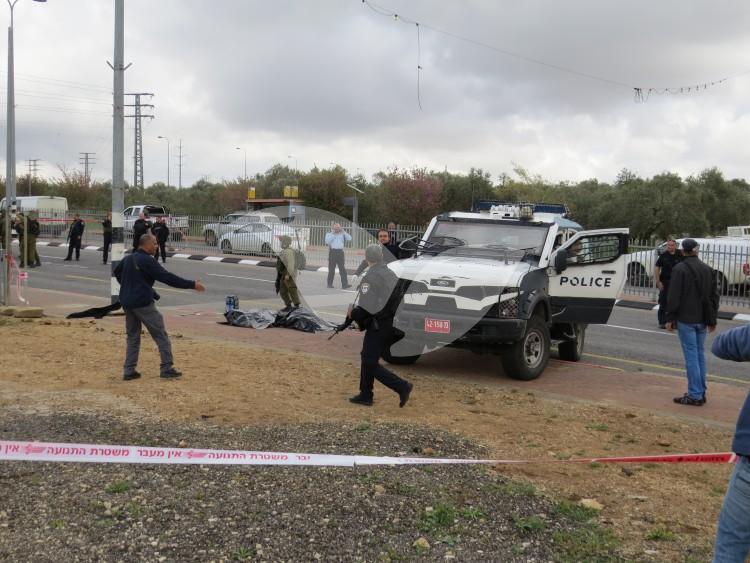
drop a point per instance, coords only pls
(329, 286)
(131, 376)
(361, 400)
(685, 400)
(662, 326)
(38, 265)
(347, 286)
(66, 259)
(171, 373)
(404, 395)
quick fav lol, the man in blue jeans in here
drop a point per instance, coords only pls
(692, 305)
(733, 533)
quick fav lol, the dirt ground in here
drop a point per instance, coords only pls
(661, 512)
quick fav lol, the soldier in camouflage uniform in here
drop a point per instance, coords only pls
(286, 275)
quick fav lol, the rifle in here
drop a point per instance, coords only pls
(347, 323)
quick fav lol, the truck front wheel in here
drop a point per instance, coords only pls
(527, 358)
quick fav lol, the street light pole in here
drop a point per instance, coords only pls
(243, 149)
(295, 163)
(167, 140)
(10, 155)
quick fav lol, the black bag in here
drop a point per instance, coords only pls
(709, 314)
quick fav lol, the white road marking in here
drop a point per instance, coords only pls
(213, 259)
(181, 255)
(742, 317)
(661, 332)
(241, 278)
(250, 262)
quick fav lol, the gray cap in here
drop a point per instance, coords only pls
(689, 244)
(374, 253)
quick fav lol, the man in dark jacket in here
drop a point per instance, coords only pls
(692, 306)
(374, 314)
(75, 236)
(136, 274)
(107, 232)
(161, 232)
(140, 228)
(733, 531)
(33, 230)
(390, 251)
(663, 273)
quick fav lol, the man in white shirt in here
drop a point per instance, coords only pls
(335, 240)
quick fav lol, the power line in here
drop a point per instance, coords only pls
(641, 94)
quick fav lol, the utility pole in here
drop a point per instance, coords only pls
(87, 159)
(118, 146)
(179, 166)
(33, 164)
(138, 153)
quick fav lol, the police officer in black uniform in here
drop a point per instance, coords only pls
(664, 265)
(374, 314)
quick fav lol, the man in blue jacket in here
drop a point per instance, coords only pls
(733, 533)
(136, 274)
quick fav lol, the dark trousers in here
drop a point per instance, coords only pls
(373, 345)
(336, 258)
(107, 247)
(661, 314)
(163, 251)
(74, 243)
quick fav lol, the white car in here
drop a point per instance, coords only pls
(262, 238)
(212, 232)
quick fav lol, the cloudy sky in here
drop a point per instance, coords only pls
(332, 81)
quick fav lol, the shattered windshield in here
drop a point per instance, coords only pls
(486, 238)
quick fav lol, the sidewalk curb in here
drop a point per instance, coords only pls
(725, 315)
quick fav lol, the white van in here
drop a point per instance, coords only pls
(52, 211)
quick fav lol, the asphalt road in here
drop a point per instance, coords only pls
(631, 341)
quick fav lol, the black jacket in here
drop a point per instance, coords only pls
(107, 227)
(377, 299)
(685, 299)
(76, 230)
(161, 232)
(136, 274)
(140, 227)
(390, 253)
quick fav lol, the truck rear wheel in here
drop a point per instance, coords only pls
(572, 350)
(528, 357)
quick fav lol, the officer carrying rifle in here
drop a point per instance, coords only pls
(374, 314)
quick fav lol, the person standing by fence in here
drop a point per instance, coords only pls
(33, 230)
(161, 232)
(107, 231)
(335, 240)
(692, 306)
(663, 273)
(75, 236)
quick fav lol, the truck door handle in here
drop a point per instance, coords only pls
(608, 272)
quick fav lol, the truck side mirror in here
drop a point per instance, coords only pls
(561, 260)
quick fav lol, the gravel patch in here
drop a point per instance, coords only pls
(87, 512)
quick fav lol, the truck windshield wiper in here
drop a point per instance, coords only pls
(432, 246)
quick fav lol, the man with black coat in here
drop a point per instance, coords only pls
(136, 274)
(692, 306)
(161, 232)
(75, 236)
(140, 228)
(390, 251)
(374, 314)
(663, 273)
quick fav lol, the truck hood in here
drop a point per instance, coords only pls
(462, 269)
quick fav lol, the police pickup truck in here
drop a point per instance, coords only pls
(506, 280)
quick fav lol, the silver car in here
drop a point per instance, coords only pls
(262, 238)
(212, 232)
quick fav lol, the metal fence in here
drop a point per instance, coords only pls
(729, 259)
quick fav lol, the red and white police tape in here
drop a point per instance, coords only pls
(92, 453)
